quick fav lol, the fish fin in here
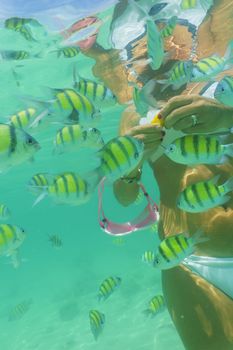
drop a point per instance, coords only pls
(40, 198)
(229, 55)
(228, 150)
(147, 313)
(228, 185)
(206, 4)
(146, 93)
(199, 237)
(38, 119)
(214, 179)
(206, 87)
(36, 102)
(93, 178)
(224, 159)
(224, 200)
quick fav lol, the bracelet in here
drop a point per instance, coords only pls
(135, 179)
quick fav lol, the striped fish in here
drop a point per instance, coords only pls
(208, 68)
(15, 55)
(22, 26)
(118, 157)
(55, 241)
(40, 182)
(16, 146)
(148, 257)
(73, 137)
(155, 305)
(169, 28)
(24, 118)
(155, 48)
(17, 22)
(205, 195)
(68, 51)
(97, 321)
(19, 311)
(179, 75)
(198, 149)
(188, 4)
(11, 237)
(174, 249)
(67, 188)
(224, 91)
(193, 4)
(108, 286)
(77, 107)
(4, 212)
(98, 93)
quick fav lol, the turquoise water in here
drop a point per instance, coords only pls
(62, 284)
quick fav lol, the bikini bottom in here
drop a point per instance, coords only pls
(217, 271)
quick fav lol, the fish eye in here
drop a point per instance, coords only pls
(136, 155)
(94, 130)
(223, 89)
(171, 148)
(29, 141)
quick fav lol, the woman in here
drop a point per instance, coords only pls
(201, 311)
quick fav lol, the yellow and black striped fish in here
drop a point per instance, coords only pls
(194, 4)
(155, 305)
(68, 51)
(72, 104)
(198, 149)
(173, 249)
(118, 157)
(148, 257)
(169, 28)
(67, 188)
(179, 75)
(16, 146)
(18, 311)
(188, 4)
(205, 195)
(108, 286)
(4, 212)
(55, 241)
(24, 118)
(40, 182)
(73, 137)
(97, 321)
(15, 55)
(22, 26)
(11, 237)
(98, 93)
(209, 67)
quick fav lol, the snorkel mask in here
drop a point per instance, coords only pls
(146, 219)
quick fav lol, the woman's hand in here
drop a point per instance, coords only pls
(196, 114)
(151, 135)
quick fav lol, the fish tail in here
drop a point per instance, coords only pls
(228, 185)
(228, 150)
(229, 55)
(199, 237)
(147, 312)
(93, 178)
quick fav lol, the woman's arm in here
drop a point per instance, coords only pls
(126, 189)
